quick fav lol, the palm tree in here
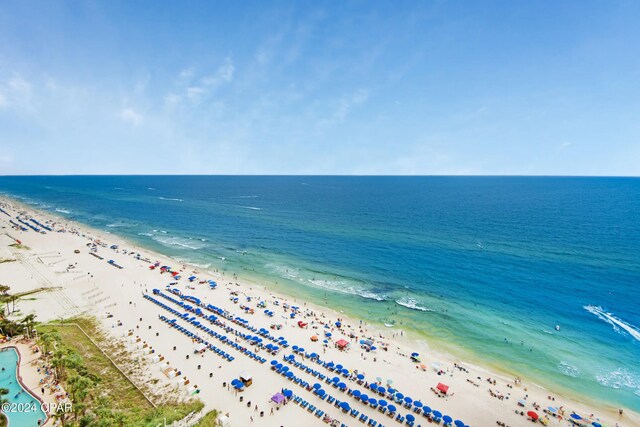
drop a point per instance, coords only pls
(29, 322)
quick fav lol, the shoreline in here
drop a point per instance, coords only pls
(428, 344)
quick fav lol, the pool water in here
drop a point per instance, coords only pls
(17, 395)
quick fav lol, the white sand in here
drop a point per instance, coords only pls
(93, 287)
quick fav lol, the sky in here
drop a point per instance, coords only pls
(314, 87)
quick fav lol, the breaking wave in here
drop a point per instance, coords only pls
(179, 242)
(569, 370)
(412, 303)
(170, 199)
(620, 378)
(249, 207)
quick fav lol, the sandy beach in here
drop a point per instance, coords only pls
(73, 261)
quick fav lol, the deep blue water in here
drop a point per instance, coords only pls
(490, 264)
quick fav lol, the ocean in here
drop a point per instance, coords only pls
(483, 266)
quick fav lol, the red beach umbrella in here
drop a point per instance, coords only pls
(443, 388)
(533, 415)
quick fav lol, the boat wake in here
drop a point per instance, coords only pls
(171, 199)
(618, 324)
(249, 207)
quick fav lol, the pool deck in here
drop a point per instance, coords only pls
(28, 374)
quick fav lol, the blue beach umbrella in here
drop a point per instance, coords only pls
(382, 403)
(360, 376)
(356, 393)
(335, 380)
(426, 409)
(399, 396)
(285, 368)
(342, 386)
(418, 404)
(437, 414)
(447, 419)
(576, 416)
(373, 387)
(289, 374)
(339, 367)
(392, 408)
(458, 423)
(345, 406)
(321, 392)
(382, 390)
(596, 424)
(287, 393)
(414, 355)
(317, 386)
(372, 401)
(410, 417)
(274, 362)
(364, 398)
(408, 400)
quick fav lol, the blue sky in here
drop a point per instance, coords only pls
(341, 87)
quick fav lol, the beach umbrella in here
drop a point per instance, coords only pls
(342, 386)
(356, 393)
(274, 362)
(391, 408)
(345, 406)
(317, 386)
(234, 382)
(360, 376)
(458, 423)
(576, 416)
(389, 382)
(289, 374)
(414, 355)
(313, 355)
(447, 419)
(522, 402)
(373, 387)
(285, 368)
(364, 398)
(533, 415)
(372, 401)
(410, 417)
(426, 409)
(345, 372)
(552, 409)
(418, 404)
(399, 396)
(327, 334)
(379, 379)
(382, 390)
(335, 380)
(279, 366)
(595, 424)
(330, 365)
(382, 403)
(339, 367)
(239, 385)
(437, 414)
(287, 393)
(321, 392)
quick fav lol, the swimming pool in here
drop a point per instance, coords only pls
(30, 411)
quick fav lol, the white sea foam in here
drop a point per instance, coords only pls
(249, 207)
(146, 234)
(62, 210)
(337, 285)
(170, 199)
(120, 225)
(620, 378)
(151, 188)
(412, 303)
(179, 242)
(618, 324)
(568, 369)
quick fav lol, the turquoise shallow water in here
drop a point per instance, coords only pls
(25, 409)
(489, 264)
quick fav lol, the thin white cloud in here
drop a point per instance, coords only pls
(16, 93)
(130, 116)
(345, 105)
(224, 74)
